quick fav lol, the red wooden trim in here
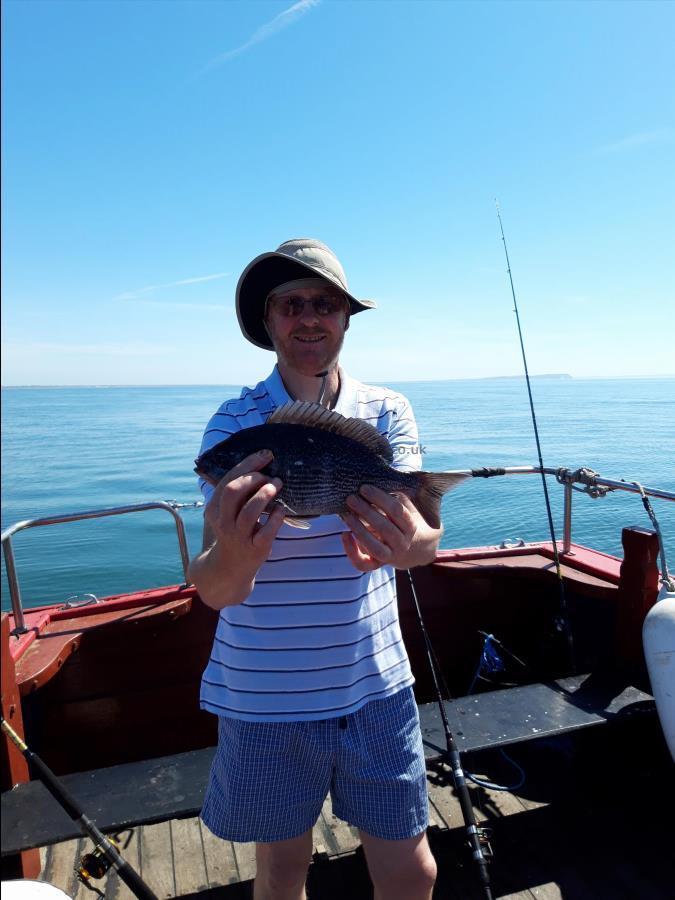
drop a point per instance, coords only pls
(39, 618)
(57, 641)
(34, 622)
(581, 559)
(12, 762)
(638, 589)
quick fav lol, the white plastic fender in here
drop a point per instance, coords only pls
(658, 639)
(24, 889)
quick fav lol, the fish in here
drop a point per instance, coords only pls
(321, 458)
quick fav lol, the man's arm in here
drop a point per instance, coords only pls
(234, 545)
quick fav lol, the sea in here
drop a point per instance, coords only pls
(68, 449)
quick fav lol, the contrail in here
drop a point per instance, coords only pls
(134, 295)
(268, 30)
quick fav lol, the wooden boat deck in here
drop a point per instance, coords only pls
(591, 821)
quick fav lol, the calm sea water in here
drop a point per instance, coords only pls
(71, 449)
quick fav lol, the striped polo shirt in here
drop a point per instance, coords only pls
(316, 638)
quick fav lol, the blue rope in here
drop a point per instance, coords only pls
(491, 662)
(501, 787)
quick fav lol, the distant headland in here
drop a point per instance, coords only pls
(554, 375)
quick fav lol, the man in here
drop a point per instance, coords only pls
(308, 673)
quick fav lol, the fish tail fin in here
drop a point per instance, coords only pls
(431, 488)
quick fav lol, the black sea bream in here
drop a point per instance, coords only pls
(322, 457)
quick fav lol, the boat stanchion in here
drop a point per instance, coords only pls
(104, 846)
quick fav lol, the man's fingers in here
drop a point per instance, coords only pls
(366, 539)
(264, 536)
(390, 504)
(253, 508)
(229, 499)
(360, 560)
(251, 463)
(373, 519)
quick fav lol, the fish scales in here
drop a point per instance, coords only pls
(321, 458)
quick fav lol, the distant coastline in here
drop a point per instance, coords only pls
(554, 376)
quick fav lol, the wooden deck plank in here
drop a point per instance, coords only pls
(513, 879)
(322, 839)
(116, 889)
(82, 892)
(487, 806)
(442, 795)
(60, 866)
(550, 891)
(245, 857)
(156, 859)
(326, 880)
(345, 838)
(445, 806)
(221, 865)
(435, 818)
(188, 856)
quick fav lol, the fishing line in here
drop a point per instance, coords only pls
(565, 621)
(322, 390)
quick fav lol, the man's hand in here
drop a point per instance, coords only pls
(387, 529)
(235, 543)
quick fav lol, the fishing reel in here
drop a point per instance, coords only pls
(484, 835)
(484, 838)
(96, 864)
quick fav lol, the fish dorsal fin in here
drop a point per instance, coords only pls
(313, 415)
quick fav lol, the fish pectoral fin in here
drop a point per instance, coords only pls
(295, 522)
(291, 518)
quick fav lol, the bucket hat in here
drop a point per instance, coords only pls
(294, 259)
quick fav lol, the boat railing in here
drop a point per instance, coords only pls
(591, 482)
(171, 506)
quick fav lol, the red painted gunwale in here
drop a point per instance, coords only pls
(41, 621)
(40, 618)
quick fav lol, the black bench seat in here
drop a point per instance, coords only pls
(117, 797)
(172, 787)
(510, 716)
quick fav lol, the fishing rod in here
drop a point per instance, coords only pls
(564, 621)
(104, 846)
(477, 838)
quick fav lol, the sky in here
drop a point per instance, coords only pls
(150, 150)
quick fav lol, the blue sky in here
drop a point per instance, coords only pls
(151, 149)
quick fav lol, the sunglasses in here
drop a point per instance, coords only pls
(291, 306)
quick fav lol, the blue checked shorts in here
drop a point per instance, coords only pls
(269, 780)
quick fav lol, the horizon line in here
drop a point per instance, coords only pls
(551, 375)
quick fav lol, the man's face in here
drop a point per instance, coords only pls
(306, 337)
